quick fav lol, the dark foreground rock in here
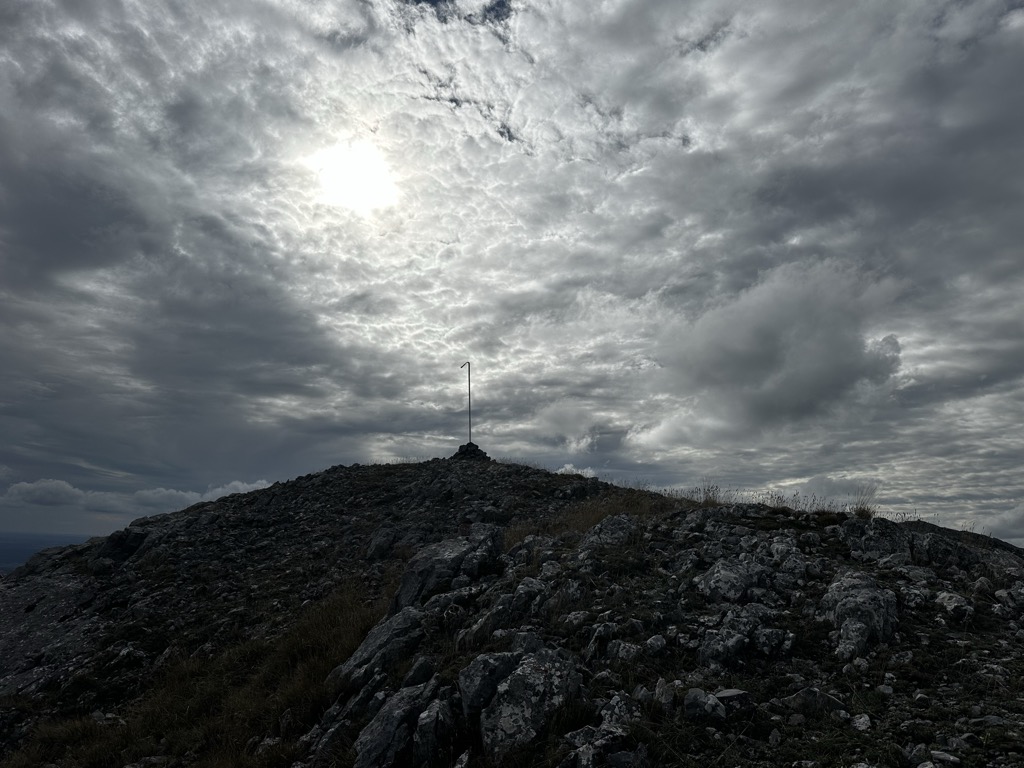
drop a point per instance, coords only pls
(550, 620)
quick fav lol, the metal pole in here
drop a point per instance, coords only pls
(469, 392)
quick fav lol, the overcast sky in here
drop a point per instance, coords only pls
(773, 244)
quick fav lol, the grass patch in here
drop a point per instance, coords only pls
(581, 516)
(210, 708)
(709, 494)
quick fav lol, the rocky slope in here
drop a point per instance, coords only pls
(531, 619)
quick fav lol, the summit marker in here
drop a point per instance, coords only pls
(469, 395)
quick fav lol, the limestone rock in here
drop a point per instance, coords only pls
(877, 538)
(735, 700)
(698, 704)
(613, 531)
(526, 700)
(387, 739)
(434, 568)
(434, 734)
(731, 580)
(863, 612)
(813, 702)
(956, 606)
(478, 682)
(386, 643)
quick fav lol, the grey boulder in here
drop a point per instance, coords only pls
(525, 702)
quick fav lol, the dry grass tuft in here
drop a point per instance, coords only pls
(583, 515)
(863, 503)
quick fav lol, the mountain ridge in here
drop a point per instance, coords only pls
(474, 613)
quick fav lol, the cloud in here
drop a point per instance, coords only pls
(1008, 525)
(57, 505)
(683, 239)
(45, 493)
(789, 348)
(570, 469)
(570, 422)
(829, 487)
(166, 499)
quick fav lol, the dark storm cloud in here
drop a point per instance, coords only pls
(789, 348)
(201, 346)
(66, 212)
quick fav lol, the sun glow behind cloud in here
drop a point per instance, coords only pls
(286, 224)
(354, 175)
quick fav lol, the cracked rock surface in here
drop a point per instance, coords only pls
(551, 620)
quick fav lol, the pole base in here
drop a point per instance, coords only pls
(470, 452)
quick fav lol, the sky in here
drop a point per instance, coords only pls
(772, 245)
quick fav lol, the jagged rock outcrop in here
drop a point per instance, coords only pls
(385, 741)
(552, 620)
(451, 563)
(388, 642)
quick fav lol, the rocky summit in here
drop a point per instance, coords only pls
(466, 612)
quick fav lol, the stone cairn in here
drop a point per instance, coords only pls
(470, 452)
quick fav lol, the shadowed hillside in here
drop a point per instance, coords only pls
(464, 612)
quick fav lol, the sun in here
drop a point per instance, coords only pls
(354, 175)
